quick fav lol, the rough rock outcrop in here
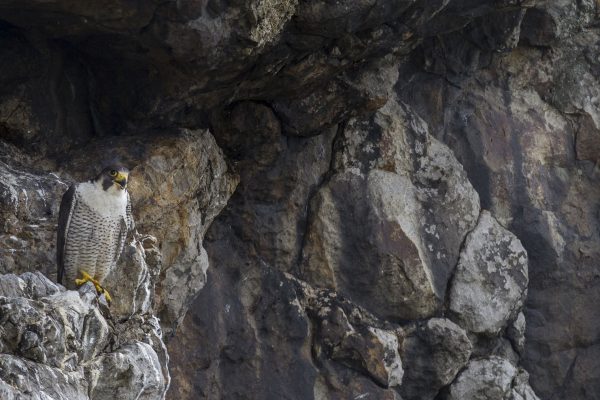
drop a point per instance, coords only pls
(365, 139)
(179, 182)
(95, 351)
(518, 124)
(436, 351)
(357, 341)
(490, 282)
(28, 206)
(370, 203)
(66, 345)
(414, 209)
(491, 379)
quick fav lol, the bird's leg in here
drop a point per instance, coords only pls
(86, 278)
(99, 289)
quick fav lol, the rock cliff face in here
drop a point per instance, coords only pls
(334, 200)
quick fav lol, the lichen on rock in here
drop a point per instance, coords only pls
(490, 282)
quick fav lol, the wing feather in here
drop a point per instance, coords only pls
(122, 235)
(127, 225)
(67, 205)
(129, 215)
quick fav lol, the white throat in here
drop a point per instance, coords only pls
(111, 202)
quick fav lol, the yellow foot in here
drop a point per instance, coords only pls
(106, 295)
(86, 278)
(99, 288)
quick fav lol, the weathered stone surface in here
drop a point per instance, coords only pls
(516, 332)
(543, 207)
(351, 386)
(61, 344)
(491, 379)
(131, 372)
(24, 379)
(136, 297)
(357, 344)
(490, 282)
(369, 266)
(363, 90)
(29, 284)
(253, 324)
(485, 346)
(521, 389)
(484, 379)
(27, 235)
(515, 125)
(36, 330)
(186, 210)
(436, 350)
(583, 383)
(178, 182)
(398, 263)
(549, 22)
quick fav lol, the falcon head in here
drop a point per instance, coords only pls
(113, 175)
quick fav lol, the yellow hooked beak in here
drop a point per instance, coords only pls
(121, 179)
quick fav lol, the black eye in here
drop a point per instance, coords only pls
(113, 172)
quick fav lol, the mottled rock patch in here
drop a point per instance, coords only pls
(490, 282)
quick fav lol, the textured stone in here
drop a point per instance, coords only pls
(357, 92)
(516, 332)
(399, 262)
(488, 379)
(521, 389)
(255, 324)
(548, 22)
(30, 284)
(491, 378)
(334, 257)
(24, 379)
(137, 296)
(27, 230)
(583, 383)
(436, 350)
(131, 372)
(358, 345)
(61, 344)
(514, 125)
(38, 330)
(490, 282)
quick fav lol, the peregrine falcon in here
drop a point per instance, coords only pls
(93, 222)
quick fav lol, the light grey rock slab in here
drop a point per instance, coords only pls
(490, 282)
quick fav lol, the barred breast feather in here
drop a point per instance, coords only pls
(92, 228)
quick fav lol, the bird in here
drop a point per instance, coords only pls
(93, 223)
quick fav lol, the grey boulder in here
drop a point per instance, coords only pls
(490, 282)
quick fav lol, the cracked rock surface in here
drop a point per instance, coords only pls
(64, 345)
(366, 199)
(490, 282)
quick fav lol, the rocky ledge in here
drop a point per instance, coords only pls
(59, 344)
